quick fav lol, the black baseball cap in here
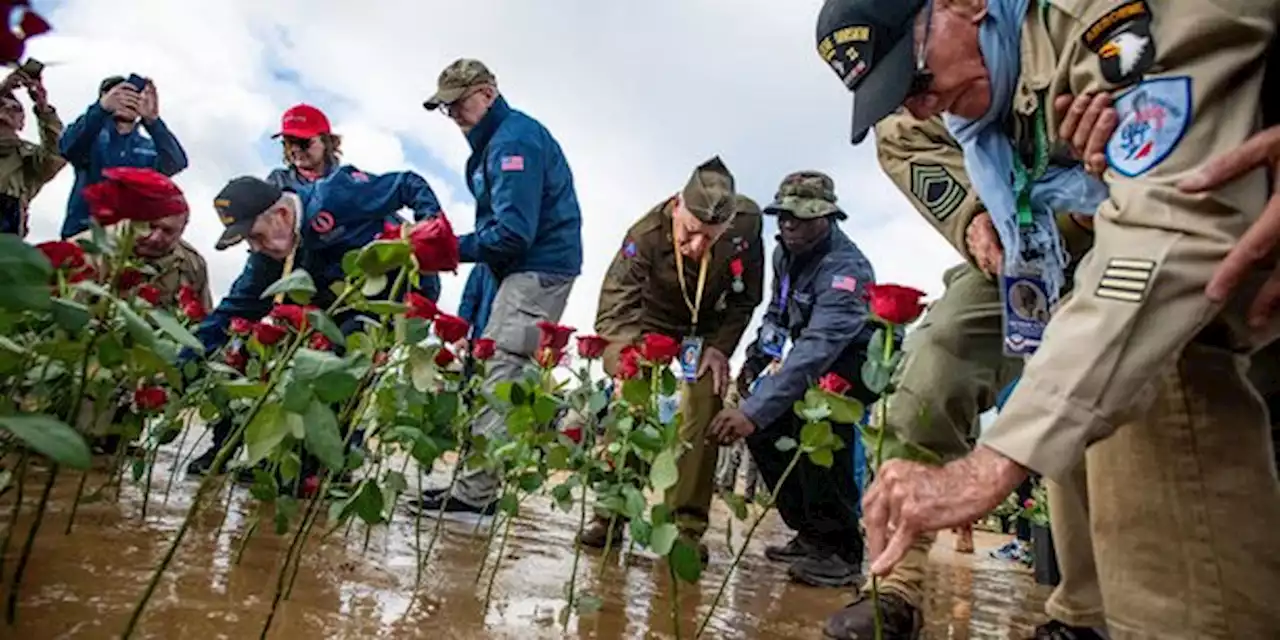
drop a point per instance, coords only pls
(240, 203)
(871, 46)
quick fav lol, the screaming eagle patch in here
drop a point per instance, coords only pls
(1122, 39)
(936, 189)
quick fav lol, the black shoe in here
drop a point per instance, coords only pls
(431, 505)
(203, 464)
(596, 534)
(1055, 630)
(794, 550)
(858, 620)
(828, 570)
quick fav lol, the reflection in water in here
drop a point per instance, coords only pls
(84, 585)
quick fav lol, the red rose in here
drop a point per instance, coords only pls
(629, 363)
(236, 359)
(241, 326)
(573, 433)
(451, 328)
(150, 293)
(13, 41)
(833, 383)
(310, 485)
(659, 349)
(895, 304)
(194, 310)
(133, 193)
(591, 347)
(1028, 504)
(268, 334)
(380, 358)
(86, 272)
(128, 279)
(735, 267)
(187, 294)
(434, 245)
(62, 254)
(390, 232)
(149, 398)
(444, 358)
(483, 349)
(319, 342)
(420, 306)
(553, 336)
(548, 357)
(293, 315)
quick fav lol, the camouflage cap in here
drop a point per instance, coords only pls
(456, 78)
(806, 195)
(710, 194)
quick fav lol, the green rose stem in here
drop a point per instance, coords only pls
(751, 531)
(882, 419)
(497, 562)
(461, 431)
(588, 447)
(209, 481)
(17, 505)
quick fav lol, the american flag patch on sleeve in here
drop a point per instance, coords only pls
(845, 283)
(513, 163)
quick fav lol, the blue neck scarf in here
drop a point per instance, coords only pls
(989, 160)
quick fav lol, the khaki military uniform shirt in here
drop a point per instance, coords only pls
(183, 266)
(1186, 82)
(25, 167)
(641, 292)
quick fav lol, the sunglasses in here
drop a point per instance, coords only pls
(293, 141)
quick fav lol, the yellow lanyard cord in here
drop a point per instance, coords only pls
(696, 303)
(288, 262)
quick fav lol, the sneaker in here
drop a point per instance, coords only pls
(829, 570)
(858, 620)
(1054, 630)
(795, 549)
(596, 535)
(429, 506)
(202, 465)
(1014, 551)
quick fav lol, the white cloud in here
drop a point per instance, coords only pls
(636, 96)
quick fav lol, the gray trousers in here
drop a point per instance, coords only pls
(522, 301)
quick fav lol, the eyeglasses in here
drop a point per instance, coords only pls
(446, 108)
(293, 141)
(923, 77)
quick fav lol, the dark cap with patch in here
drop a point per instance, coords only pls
(240, 203)
(460, 75)
(871, 46)
(806, 195)
(710, 195)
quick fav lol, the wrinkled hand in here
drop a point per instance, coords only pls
(1263, 149)
(730, 426)
(1086, 123)
(149, 104)
(984, 244)
(122, 97)
(715, 362)
(908, 499)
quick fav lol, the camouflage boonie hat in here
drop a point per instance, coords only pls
(456, 78)
(806, 195)
(710, 194)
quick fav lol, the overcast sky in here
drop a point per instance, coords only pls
(637, 94)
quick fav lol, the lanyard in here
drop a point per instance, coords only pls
(1023, 177)
(696, 303)
(782, 294)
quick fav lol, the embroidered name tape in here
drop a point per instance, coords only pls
(1154, 116)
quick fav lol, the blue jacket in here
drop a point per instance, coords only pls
(527, 216)
(91, 144)
(825, 317)
(477, 299)
(342, 211)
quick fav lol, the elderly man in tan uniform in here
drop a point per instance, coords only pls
(693, 269)
(25, 167)
(1137, 365)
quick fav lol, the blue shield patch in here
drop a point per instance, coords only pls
(1154, 116)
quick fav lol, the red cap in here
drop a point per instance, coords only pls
(303, 121)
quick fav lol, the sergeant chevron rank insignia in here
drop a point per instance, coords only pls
(1122, 39)
(1126, 279)
(936, 189)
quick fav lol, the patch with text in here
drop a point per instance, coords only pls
(322, 223)
(848, 52)
(1123, 42)
(936, 189)
(1154, 116)
(1126, 279)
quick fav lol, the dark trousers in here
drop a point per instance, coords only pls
(1022, 526)
(819, 504)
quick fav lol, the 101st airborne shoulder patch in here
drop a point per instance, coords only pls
(1154, 116)
(1123, 42)
(936, 189)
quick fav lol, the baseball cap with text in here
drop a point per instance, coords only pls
(240, 203)
(871, 46)
(303, 121)
(709, 194)
(806, 195)
(460, 75)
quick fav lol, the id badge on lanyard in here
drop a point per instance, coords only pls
(1026, 312)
